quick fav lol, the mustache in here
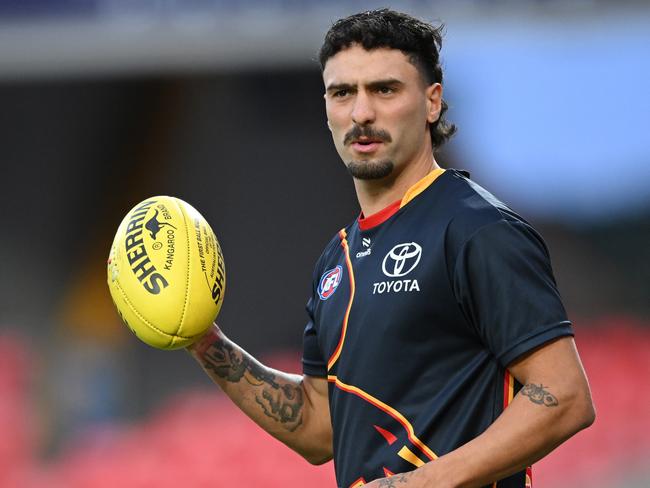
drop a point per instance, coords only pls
(366, 131)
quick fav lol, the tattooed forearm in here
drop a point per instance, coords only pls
(394, 481)
(539, 395)
(278, 399)
(233, 365)
(283, 405)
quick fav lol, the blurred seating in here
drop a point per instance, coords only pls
(17, 419)
(616, 355)
(200, 439)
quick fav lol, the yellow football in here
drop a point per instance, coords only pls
(166, 272)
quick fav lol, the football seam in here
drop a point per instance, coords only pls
(187, 269)
(143, 319)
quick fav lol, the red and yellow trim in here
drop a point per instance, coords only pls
(357, 483)
(529, 477)
(508, 389)
(380, 217)
(386, 213)
(344, 328)
(420, 186)
(410, 432)
(508, 395)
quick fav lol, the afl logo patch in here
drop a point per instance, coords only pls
(329, 282)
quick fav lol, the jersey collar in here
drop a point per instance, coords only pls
(366, 223)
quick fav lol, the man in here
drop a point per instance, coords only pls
(431, 313)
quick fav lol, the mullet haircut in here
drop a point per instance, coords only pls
(385, 28)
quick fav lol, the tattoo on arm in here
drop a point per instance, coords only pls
(281, 402)
(283, 405)
(232, 365)
(537, 394)
(393, 481)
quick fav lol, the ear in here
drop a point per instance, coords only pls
(434, 101)
(328, 125)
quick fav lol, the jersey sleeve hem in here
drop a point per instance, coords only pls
(535, 339)
(314, 368)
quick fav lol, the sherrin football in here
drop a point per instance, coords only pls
(166, 272)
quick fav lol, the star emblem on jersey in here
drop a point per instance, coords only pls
(401, 259)
(329, 282)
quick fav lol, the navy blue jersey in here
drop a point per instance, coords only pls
(415, 316)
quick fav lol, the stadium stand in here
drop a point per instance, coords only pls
(176, 446)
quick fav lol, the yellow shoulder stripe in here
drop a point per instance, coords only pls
(420, 186)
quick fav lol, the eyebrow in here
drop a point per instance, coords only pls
(372, 84)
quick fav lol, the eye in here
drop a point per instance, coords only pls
(340, 93)
(385, 90)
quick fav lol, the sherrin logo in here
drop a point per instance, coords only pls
(329, 282)
(136, 252)
(398, 262)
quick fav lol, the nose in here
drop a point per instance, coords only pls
(363, 112)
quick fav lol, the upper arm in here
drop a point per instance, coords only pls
(316, 419)
(317, 400)
(318, 386)
(557, 360)
(555, 367)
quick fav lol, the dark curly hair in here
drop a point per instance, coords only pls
(418, 40)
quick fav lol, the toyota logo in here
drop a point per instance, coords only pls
(401, 259)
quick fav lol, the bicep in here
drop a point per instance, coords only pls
(554, 367)
(318, 425)
(316, 391)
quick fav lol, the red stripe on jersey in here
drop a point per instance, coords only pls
(390, 438)
(380, 217)
(508, 388)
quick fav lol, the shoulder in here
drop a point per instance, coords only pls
(331, 251)
(475, 218)
(474, 210)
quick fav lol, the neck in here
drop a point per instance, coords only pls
(374, 195)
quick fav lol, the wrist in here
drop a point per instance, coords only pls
(210, 336)
(439, 473)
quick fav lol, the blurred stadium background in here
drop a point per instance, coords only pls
(106, 102)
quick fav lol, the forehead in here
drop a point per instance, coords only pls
(356, 65)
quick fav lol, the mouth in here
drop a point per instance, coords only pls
(366, 145)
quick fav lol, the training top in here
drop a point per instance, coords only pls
(416, 313)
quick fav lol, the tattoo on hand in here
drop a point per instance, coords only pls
(539, 395)
(281, 402)
(393, 481)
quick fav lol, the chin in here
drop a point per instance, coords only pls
(369, 169)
